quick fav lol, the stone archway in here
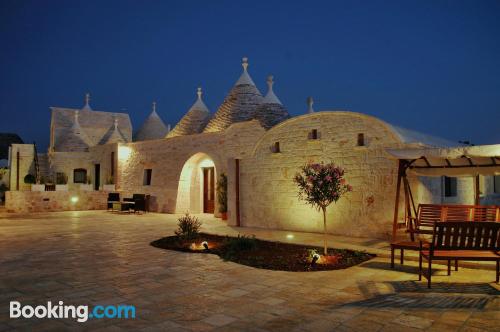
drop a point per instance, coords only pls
(196, 188)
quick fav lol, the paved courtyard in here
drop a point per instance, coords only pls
(99, 258)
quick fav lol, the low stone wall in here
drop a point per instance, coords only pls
(44, 201)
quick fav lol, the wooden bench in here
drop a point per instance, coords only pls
(429, 214)
(471, 241)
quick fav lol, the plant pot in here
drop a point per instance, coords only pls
(61, 187)
(37, 187)
(223, 215)
(108, 187)
(86, 187)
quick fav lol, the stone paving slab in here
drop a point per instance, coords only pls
(99, 258)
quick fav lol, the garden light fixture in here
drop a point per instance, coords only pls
(205, 245)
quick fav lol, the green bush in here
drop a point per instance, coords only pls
(188, 227)
(222, 193)
(29, 179)
(241, 243)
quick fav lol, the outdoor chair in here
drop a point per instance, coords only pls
(141, 202)
(113, 198)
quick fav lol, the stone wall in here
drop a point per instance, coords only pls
(269, 196)
(44, 201)
(167, 158)
(26, 165)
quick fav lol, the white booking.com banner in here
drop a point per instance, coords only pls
(81, 313)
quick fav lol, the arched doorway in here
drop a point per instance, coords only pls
(196, 189)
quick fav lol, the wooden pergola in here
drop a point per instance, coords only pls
(469, 161)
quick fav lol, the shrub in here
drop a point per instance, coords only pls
(240, 243)
(29, 179)
(222, 193)
(188, 227)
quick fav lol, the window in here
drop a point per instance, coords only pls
(276, 147)
(450, 187)
(361, 139)
(313, 134)
(496, 184)
(80, 175)
(147, 177)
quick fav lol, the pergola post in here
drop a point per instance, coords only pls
(398, 194)
(477, 198)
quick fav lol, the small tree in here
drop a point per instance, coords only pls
(319, 186)
(222, 193)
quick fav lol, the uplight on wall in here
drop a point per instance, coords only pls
(124, 152)
(74, 199)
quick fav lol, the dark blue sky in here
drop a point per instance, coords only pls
(432, 66)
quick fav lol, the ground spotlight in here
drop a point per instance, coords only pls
(315, 258)
(205, 245)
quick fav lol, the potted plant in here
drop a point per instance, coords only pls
(86, 186)
(319, 186)
(30, 181)
(222, 195)
(61, 182)
(110, 184)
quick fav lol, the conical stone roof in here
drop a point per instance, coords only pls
(152, 128)
(114, 135)
(271, 111)
(194, 121)
(239, 105)
(75, 139)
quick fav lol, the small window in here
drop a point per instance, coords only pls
(80, 175)
(450, 187)
(496, 184)
(147, 177)
(313, 134)
(361, 139)
(276, 147)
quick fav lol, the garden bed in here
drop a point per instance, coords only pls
(265, 254)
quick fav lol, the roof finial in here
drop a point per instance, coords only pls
(244, 63)
(310, 103)
(86, 107)
(154, 106)
(270, 82)
(76, 116)
(199, 93)
(116, 123)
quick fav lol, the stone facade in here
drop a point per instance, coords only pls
(43, 201)
(269, 196)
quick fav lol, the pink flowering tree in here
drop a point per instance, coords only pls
(319, 186)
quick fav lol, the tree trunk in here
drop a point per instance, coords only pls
(325, 251)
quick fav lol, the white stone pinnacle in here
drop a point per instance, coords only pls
(310, 103)
(87, 107)
(245, 78)
(270, 97)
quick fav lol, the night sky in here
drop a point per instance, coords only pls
(431, 66)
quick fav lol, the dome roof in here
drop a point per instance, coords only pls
(239, 105)
(114, 135)
(271, 111)
(75, 140)
(152, 128)
(194, 121)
